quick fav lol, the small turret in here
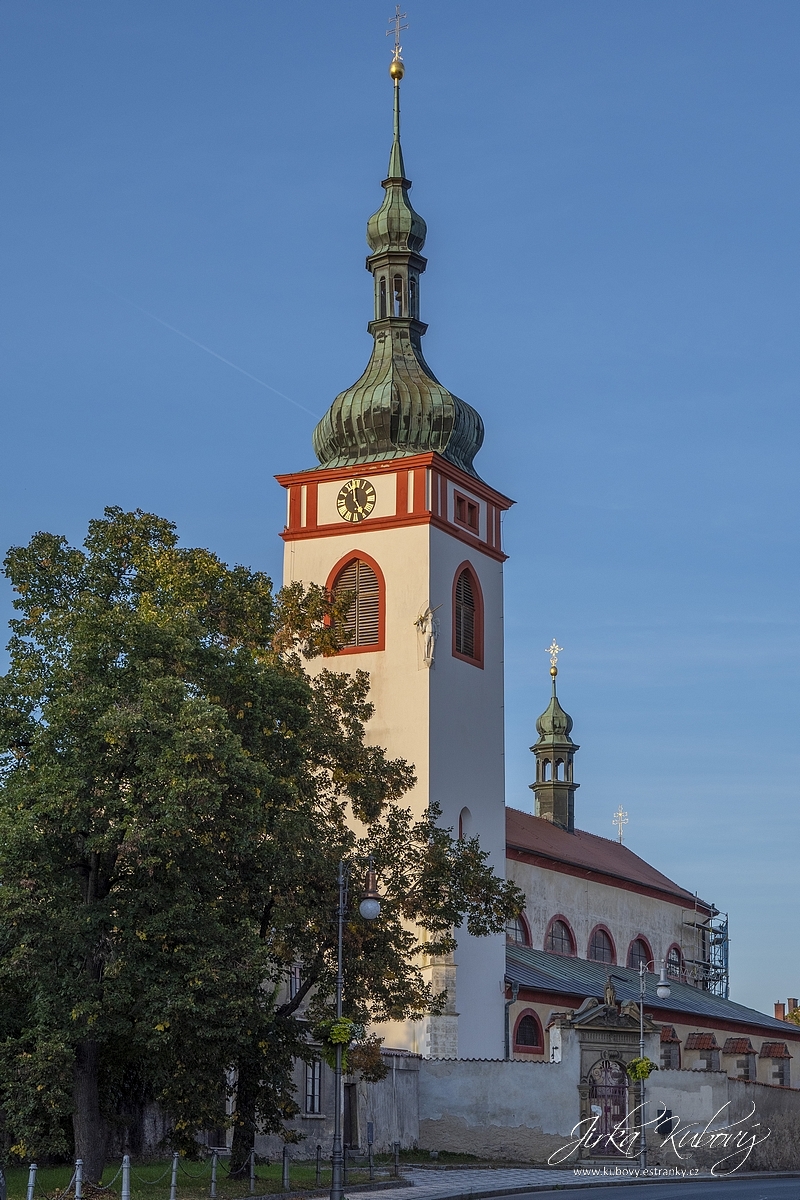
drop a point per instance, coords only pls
(555, 787)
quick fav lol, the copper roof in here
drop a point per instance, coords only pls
(668, 1034)
(701, 1041)
(737, 1046)
(594, 854)
(774, 1050)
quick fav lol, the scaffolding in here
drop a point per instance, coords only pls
(705, 949)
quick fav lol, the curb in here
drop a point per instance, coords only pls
(486, 1193)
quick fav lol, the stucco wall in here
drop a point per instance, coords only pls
(391, 1105)
(585, 903)
(510, 1110)
(446, 720)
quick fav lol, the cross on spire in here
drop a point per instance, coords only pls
(554, 650)
(619, 819)
(396, 27)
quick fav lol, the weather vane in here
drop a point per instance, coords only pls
(396, 27)
(619, 819)
(554, 650)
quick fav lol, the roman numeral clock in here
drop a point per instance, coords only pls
(356, 500)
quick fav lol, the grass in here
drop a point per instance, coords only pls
(151, 1180)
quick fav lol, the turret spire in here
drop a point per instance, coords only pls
(397, 408)
(555, 788)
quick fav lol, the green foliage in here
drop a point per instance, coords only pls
(640, 1068)
(175, 796)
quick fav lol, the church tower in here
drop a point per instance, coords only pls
(396, 512)
(555, 786)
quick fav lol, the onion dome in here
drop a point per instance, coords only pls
(398, 407)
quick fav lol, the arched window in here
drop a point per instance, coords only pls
(517, 932)
(601, 947)
(546, 770)
(559, 939)
(364, 621)
(674, 962)
(638, 953)
(397, 296)
(559, 768)
(467, 616)
(382, 297)
(464, 824)
(528, 1037)
(412, 297)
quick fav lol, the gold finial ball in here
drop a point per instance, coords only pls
(396, 69)
(554, 671)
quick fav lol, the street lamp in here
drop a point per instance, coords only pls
(663, 992)
(369, 908)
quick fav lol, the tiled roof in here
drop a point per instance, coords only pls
(668, 1034)
(774, 1050)
(588, 851)
(701, 1041)
(737, 1046)
(576, 977)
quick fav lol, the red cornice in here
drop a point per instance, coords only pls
(537, 859)
(663, 1015)
(390, 465)
(374, 525)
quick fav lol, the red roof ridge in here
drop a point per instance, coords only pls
(612, 857)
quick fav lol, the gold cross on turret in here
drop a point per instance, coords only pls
(396, 27)
(554, 650)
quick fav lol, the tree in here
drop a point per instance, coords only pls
(176, 794)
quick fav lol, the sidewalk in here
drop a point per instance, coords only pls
(474, 1182)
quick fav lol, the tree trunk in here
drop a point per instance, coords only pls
(88, 1125)
(244, 1128)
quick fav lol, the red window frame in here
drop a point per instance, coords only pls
(640, 938)
(517, 1049)
(339, 566)
(560, 917)
(477, 593)
(526, 930)
(607, 932)
(468, 507)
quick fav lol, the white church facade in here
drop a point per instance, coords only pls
(396, 512)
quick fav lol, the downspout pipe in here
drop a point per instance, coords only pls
(514, 994)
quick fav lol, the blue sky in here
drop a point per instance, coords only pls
(611, 193)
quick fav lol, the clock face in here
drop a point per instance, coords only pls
(356, 500)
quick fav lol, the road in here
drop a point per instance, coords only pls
(685, 1189)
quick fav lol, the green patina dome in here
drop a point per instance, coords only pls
(554, 725)
(397, 408)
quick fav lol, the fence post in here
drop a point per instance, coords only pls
(213, 1174)
(32, 1169)
(78, 1178)
(285, 1169)
(396, 1167)
(318, 1177)
(345, 1152)
(173, 1183)
(371, 1161)
(252, 1171)
(126, 1177)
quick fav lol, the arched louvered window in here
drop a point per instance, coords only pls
(465, 615)
(468, 616)
(382, 297)
(364, 621)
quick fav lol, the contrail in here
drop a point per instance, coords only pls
(208, 350)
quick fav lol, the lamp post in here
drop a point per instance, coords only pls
(369, 908)
(663, 993)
